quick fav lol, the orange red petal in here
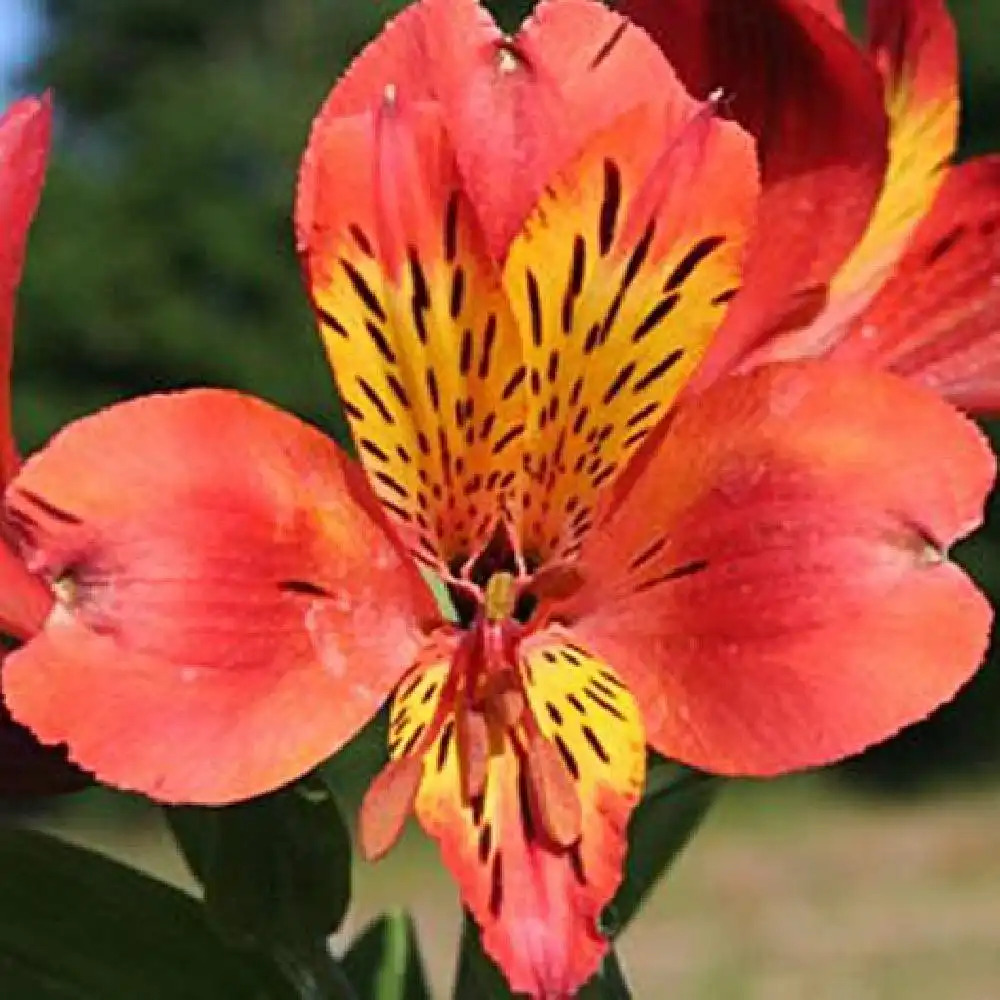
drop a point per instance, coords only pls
(25, 601)
(830, 9)
(25, 133)
(519, 109)
(230, 607)
(398, 56)
(912, 44)
(776, 589)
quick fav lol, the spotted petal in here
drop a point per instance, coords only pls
(775, 590)
(535, 883)
(418, 332)
(231, 609)
(618, 281)
(419, 706)
(399, 56)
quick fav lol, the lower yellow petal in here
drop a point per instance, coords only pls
(584, 708)
(539, 901)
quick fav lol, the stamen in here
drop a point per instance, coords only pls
(500, 597)
(552, 791)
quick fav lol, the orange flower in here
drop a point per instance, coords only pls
(25, 767)
(917, 291)
(518, 251)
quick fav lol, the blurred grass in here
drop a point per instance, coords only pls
(793, 889)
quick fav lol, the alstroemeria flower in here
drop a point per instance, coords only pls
(918, 292)
(518, 250)
(25, 767)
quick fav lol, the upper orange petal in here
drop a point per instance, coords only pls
(775, 589)
(515, 109)
(399, 56)
(229, 608)
(442, 379)
(519, 109)
(25, 133)
(813, 102)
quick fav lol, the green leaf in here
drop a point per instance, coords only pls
(384, 962)
(676, 801)
(78, 926)
(276, 870)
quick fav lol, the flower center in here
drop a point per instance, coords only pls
(500, 597)
(493, 584)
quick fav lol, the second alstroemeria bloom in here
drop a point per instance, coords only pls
(903, 269)
(518, 251)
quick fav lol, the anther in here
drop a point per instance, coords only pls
(500, 597)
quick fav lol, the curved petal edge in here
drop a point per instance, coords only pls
(776, 588)
(229, 610)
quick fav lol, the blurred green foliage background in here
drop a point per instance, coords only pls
(162, 256)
